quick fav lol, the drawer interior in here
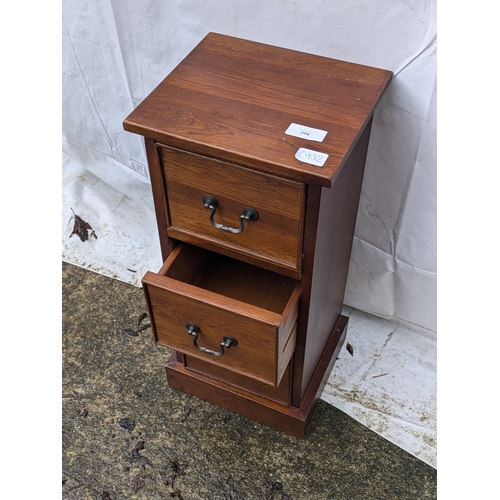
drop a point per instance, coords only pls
(223, 297)
(232, 278)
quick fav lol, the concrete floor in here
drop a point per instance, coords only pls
(126, 434)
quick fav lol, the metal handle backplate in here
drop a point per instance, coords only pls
(249, 214)
(227, 342)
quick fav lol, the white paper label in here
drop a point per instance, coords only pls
(311, 157)
(311, 134)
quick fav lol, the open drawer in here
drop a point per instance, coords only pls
(224, 311)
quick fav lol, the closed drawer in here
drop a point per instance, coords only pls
(215, 296)
(275, 237)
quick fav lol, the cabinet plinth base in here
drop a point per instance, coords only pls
(287, 419)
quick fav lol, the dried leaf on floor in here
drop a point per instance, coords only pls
(126, 424)
(135, 456)
(135, 333)
(141, 317)
(178, 469)
(130, 332)
(137, 483)
(81, 228)
(275, 489)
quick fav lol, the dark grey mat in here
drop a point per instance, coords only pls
(126, 434)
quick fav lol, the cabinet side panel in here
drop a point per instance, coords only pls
(335, 232)
(159, 194)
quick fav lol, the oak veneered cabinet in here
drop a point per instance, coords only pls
(256, 156)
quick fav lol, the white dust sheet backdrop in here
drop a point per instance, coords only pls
(115, 52)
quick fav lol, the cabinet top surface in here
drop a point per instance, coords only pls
(235, 99)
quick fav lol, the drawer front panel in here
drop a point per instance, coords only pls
(275, 237)
(265, 338)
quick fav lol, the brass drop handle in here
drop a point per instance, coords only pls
(248, 214)
(227, 342)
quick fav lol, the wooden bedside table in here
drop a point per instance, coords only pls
(256, 156)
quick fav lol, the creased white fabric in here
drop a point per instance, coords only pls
(116, 51)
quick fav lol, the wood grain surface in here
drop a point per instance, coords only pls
(276, 236)
(217, 125)
(234, 99)
(233, 299)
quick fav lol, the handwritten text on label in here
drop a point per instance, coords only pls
(311, 157)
